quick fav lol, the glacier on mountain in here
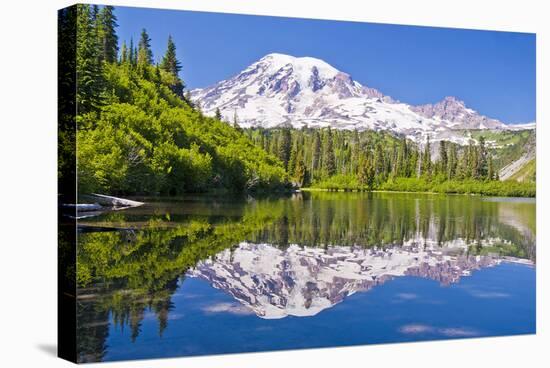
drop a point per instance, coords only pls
(286, 91)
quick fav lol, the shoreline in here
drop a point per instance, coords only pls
(339, 190)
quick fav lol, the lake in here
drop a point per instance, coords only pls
(229, 274)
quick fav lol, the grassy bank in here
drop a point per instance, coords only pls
(507, 188)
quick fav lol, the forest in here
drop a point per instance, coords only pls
(139, 132)
(351, 160)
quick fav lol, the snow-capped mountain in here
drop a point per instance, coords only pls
(282, 90)
(303, 281)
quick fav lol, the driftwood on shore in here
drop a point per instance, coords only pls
(111, 202)
(98, 203)
(84, 207)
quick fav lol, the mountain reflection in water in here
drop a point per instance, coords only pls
(299, 281)
(277, 257)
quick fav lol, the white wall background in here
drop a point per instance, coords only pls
(28, 182)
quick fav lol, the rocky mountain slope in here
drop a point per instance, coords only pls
(523, 168)
(282, 90)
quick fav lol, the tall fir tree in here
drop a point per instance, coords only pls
(329, 160)
(490, 169)
(355, 152)
(124, 53)
(402, 158)
(218, 114)
(473, 158)
(285, 147)
(427, 159)
(379, 161)
(300, 171)
(88, 68)
(367, 174)
(108, 39)
(236, 121)
(443, 158)
(292, 160)
(481, 163)
(316, 154)
(171, 65)
(453, 162)
(145, 55)
(131, 52)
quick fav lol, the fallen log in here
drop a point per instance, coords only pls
(84, 207)
(110, 201)
(98, 203)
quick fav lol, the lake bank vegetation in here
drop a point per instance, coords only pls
(365, 161)
(138, 134)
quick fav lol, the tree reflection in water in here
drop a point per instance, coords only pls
(124, 273)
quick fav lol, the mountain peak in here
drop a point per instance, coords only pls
(284, 90)
(452, 100)
(453, 110)
(303, 65)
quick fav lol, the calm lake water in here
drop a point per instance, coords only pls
(210, 275)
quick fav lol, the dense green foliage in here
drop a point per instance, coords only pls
(351, 160)
(138, 134)
(508, 188)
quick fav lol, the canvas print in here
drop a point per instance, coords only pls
(237, 183)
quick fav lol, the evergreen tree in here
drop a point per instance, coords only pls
(402, 159)
(218, 114)
(427, 159)
(171, 65)
(316, 154)
(131, 52)
(300, 171)
(413, 163)
(367, 173)
(124, 53)
(284, 147)
(329, 161)
(292, 159)
(135, 54)
(158, 76)
(443, 159)
(496, 175)
(464, 170)
(169, 62)
(453, 162)
(481, 164)
(236, 121)
(473, 159)
(145, 55)
(490, 169)
(274, 145)
(66, 81)
(108, 40)
(355, 152)
(379, 162)
(88, 68)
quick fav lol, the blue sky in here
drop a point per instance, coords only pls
(493, 72)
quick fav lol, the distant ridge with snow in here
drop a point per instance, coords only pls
(282, 90)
